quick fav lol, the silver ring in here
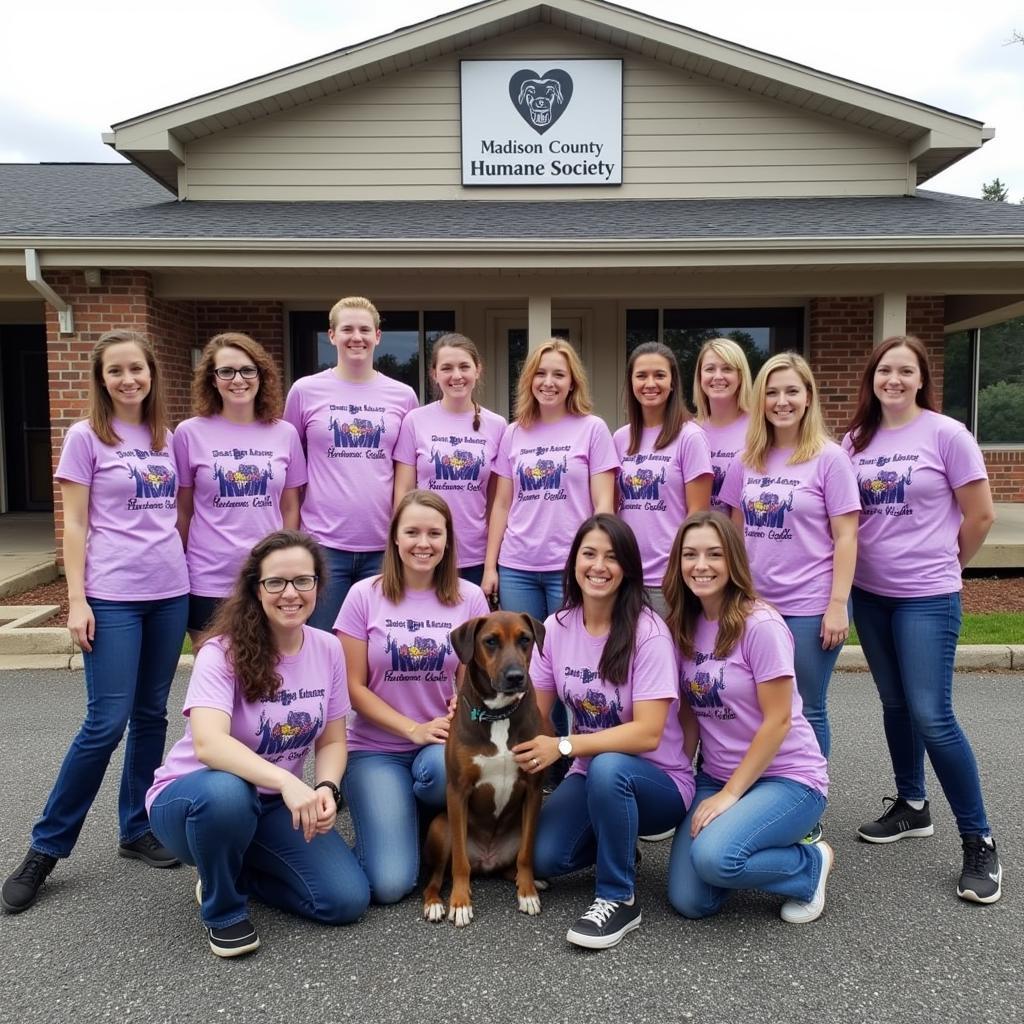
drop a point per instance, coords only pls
(535, 762)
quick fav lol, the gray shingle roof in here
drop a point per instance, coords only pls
(119, 201)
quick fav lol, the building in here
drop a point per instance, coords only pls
(515, 169)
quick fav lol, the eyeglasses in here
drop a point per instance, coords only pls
(277, 584)
(228, 372)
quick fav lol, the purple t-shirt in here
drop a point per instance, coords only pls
(237, 473)
(281, 729)
(725, 444)
(132, 548)
(723, 696)
(349, 432)
(568, 666)
(651, 490)
(550, 466)
(909, 522)
(411, 662)
(454, 460)
(786, 511)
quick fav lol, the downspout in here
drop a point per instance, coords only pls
(34, 276)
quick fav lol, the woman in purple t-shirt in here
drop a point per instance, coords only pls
(402, 671)
(666, 468)
(128, 589)
(926, 508)
(450, 446)
(230, 798)
(242, 468)
(610, 659)
(763, 781)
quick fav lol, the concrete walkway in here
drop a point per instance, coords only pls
(27, 552)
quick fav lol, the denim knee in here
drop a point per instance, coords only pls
(714, 864)
(345, 901)
(608, 772)
(227, 801)
(429, 780)
(686, 902)
(391, 884)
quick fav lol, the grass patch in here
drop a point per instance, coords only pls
(988, 628)
(186, 647)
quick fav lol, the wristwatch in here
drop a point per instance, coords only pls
(565, 746)
(335, 792)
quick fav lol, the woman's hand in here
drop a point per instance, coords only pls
(81, 623)
(305, 804)
(326, 811)
(489, 585)
(835, 625)
(537, 754)
(709, 809)
(434, 731)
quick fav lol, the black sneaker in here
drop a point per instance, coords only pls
(22, 886)
(814, 836)
(982, 876)
(900, 821)
(149, 849)
(234, 940)
(604, 924)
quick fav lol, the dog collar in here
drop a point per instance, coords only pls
(485, 714)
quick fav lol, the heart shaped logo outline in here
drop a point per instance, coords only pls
(540, 99)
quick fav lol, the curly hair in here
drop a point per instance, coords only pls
(242, 623)
(206, 399)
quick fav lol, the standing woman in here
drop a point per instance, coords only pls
(128, 588)
(722, 397)
(666, 468)
(556, 467)
(348, 420)
(763, 781)
(794, 496)
(241, 466)
(610, 659)
(927, 508)
(450, 446)
(402, 672)
(230, 798)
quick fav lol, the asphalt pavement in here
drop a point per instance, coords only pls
(113, 940)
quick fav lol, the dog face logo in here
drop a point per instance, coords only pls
(540, 101)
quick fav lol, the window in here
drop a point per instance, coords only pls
(406, 338)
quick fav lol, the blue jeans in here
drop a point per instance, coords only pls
(910, 646)
(244, 845)
(128, 674)
(596, 819)
(384, 793)
(472, 573)
(813, 674)
(343, 569)
(755, 844)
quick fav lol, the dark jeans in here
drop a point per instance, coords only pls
(343, 569)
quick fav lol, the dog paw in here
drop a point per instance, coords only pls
(461, 916)
(529, 905)
(433, 911)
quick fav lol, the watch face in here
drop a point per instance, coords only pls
(565, 748)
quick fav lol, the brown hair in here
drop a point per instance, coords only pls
(241, 621)
(868, 416)
(469, 347)
(101, 406)
(446, 572)
(684, 606)
(676, 413)
(206, 399)
(353, 302)
(578, 402)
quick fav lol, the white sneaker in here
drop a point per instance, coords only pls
(795, 912)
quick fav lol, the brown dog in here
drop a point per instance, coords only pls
(492, 804)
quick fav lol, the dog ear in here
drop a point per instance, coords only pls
(537, 628)
(464, 639)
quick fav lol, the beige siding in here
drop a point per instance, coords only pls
(684, 137)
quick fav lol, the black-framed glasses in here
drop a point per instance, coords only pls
(277, 584)
(227, 373)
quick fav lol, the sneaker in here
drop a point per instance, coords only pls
(234, 940)
(982, 876)
(657, 837)
(604, 924)
(814, 836)
(199, 891)
(22, 886)
(796, 912)
(150, 850)
(900, 821)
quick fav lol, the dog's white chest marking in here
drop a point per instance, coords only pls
(498, 770)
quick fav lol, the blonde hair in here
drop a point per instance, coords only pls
(727, 350)
(760, 435)
(577, 404)
(353, 302)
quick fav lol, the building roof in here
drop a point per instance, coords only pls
(46, 203)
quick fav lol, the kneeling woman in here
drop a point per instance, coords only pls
(230, 797)
(763, 781)
(610, 659)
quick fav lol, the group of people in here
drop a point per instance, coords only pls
(694, 575)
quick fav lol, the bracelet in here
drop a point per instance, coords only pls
(335, 792)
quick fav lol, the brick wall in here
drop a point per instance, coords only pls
(840, 333)
(262, 321)
(1006, 474)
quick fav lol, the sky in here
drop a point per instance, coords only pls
(68, 70)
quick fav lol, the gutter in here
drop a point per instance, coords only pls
(34, 276)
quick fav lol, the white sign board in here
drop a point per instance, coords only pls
(542, 122)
